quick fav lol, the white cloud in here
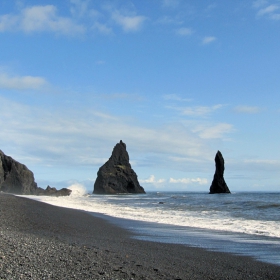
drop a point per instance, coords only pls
(209, 39)
(102, 28)
(176, 97)
(184, 31)
(87, 135)
(199, 111)
(247, 109)
(170, 20)
(152, 180)
(268, 10)
(80, 7)
(187, 181)
(259, 3)
(128, 23)
(275, 16)
(213, 131)
(8, 22)
(200, 181)
(263, 161)
(21, 83)
(264, 9)
(38, 19)
(267, 165)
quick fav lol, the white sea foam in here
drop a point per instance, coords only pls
(201, 219)
(78, 190)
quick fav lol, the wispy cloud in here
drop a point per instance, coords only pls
(266, 9)
(200, 111)
(184, 31)
(187, 181)
(213, 131)
(168, 20)
(263, 161)
(129, 23)
(259, 3)
(121, 96)
(80, 8)
(209, 39)
(21, 82)
(102, 28)
(269, 165)
(176, 97)
(247, 109)
(159, 183)
(152, 180)
(56, 137)
(39, 19)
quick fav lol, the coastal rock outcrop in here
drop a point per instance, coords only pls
(218, 184)
(16, 178)
(116, 176)
(53, 191)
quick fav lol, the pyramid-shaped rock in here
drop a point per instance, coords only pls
(218, 184)
(116, 175)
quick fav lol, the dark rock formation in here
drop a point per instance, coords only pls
(53, 191)
(16, 178)
(218, 184)
(116, 175)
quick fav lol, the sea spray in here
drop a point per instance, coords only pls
(77, 190)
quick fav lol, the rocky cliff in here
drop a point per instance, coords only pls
(116, 175)
(218, 184)
(16, 178)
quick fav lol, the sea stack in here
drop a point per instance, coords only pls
(15, 177)
(116, 176)
(218, 184)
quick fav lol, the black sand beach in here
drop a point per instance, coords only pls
(40, 241)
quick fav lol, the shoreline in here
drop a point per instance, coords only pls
(39, 241)
(261, 248)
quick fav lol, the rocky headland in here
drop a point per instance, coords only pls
(116, 176)
(218, 184)
(16, 178)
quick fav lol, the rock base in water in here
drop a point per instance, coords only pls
(53, 191)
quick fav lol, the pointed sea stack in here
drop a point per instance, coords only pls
(218, 184)
(116, 176)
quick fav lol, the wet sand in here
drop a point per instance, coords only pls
(41, 241)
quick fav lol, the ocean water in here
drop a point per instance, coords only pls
(240, 223)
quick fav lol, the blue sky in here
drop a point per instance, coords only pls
(176, 80)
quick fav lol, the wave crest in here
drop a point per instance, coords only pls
(77, 190)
